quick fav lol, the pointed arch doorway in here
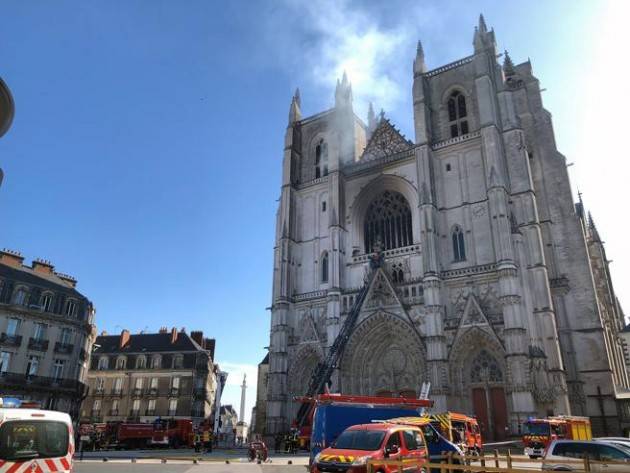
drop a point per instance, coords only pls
(488, 396)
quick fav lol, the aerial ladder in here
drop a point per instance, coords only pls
(323, 372)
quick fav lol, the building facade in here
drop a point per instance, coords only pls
(46, 334)
(145, 376)
(494, 287)
(259, 414)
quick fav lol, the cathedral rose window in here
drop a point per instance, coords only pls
(388, 221)
(485, 369)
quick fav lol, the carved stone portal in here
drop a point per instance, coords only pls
(384, 355)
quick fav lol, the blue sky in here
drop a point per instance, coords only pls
(146, 150)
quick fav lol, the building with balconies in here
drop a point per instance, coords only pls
(46, 334)
(145, 376)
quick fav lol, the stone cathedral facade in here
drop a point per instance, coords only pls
(495, 286)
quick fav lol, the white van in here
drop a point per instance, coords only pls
(34, 440)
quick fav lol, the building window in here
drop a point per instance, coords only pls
(12, 326)
(324, 206)
(398, 276)
(324, 267)
(175, 383)
(485, 368)
(5, 361)
(103, 363)
(32, 366)
(459, 249)
(19, 298)
(66, 336)
(71, 308)
(115, 406)
(135, 407)
(156, 362)
(172, 407)
(151, 407)
(457, 114)
(40, 331)
(57, 370)
(178, 362)
(100, 384)
(96, 407)
(118, 385)
(138, 383)
(141, 362)
(46, 302)
(121, 363)
(154, 383)
(448, 167)
(387, 222)
(321, 159)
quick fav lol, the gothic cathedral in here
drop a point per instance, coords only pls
(495, 286)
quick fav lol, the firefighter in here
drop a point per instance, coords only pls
(207, 441)
(197, 442)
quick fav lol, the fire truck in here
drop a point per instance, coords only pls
(32, 439)
(538, 433)
(460, 429)
(167, 433)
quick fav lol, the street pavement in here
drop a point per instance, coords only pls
(182, 467)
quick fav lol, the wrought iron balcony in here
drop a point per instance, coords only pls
(20, 380)
(174, 392)
(65, 348)
(99, 391)
(38, 344)
(10, 340)
(152, 392)
(136, 392)
(116, 392)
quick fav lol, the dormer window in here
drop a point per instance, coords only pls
(71, 308)
(121, 363)
(46, 302)
(141, 362)
(19, 297)
(156, 362)
(457, 113)
(103, 363)
(321, 159)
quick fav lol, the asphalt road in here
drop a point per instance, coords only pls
(118, 466)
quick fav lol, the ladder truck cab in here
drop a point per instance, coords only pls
(539, 433)
(34, 440)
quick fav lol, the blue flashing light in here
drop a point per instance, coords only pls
(10, 402)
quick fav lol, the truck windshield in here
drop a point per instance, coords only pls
(360, 440)
(536, 428)
(23, 440)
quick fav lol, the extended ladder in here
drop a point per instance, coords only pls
(323, 371)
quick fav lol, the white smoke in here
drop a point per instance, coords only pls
(344, 37)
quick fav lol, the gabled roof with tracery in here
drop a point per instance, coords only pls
(386, 140)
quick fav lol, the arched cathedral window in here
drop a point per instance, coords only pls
(459, 248)
(324, 267)
(485, 368)
(321, 159)
(457, 114)
(387, 222)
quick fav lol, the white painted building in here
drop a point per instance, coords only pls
(495, 288)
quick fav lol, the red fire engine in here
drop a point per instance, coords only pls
(460, 429)
(538, 433)
(172, 433)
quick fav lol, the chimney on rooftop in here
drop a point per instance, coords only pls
(42, 266)
(11, 258)
(67, 279)
(163, 330)
(209, 344)
(197, 336)
(104, 333)
(173, 335)
(125, 336)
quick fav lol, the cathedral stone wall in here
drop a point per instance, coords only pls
(495, 286)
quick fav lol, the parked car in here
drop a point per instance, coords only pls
(623, 441)
(563, 455)
(378, 441)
